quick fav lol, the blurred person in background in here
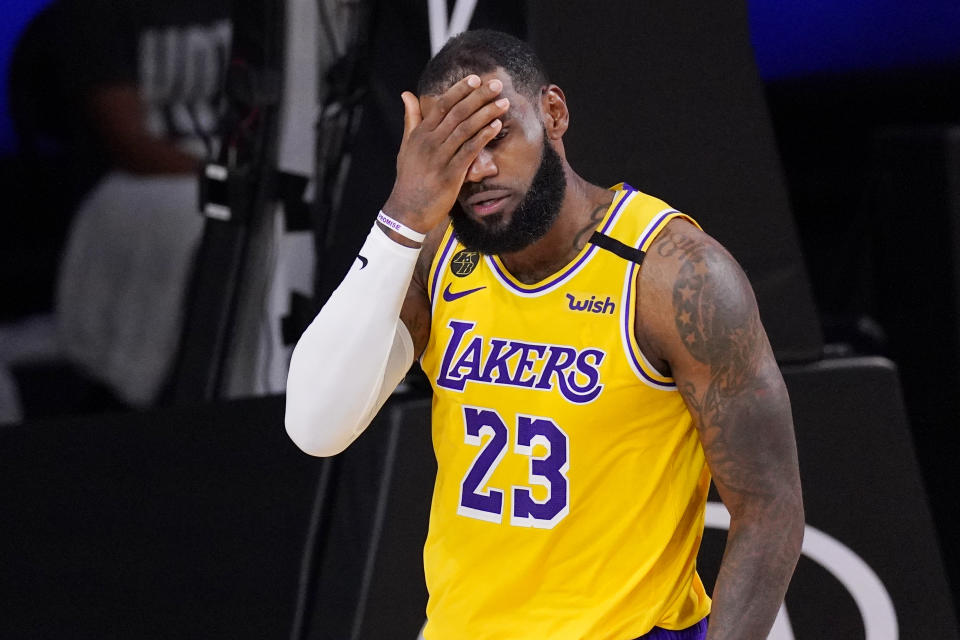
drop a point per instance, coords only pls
(135, 89)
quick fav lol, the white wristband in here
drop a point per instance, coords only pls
(400, 228)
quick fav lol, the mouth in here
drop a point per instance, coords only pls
(487, 202)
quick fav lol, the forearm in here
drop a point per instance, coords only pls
(354, 353)
(761, 553)
(118, 114)
(337, 372)
(144, 154)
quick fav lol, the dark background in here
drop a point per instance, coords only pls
(836, 73)
(864, 101)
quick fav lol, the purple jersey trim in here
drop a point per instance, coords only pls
(651, 229)
(452, 240)
(505, 279)
(696, 632)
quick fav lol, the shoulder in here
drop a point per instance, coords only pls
(690, 293)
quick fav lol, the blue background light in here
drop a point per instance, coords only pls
(826, 36)
(16, 16)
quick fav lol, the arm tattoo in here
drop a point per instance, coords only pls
(718, 337)
(672, 243)
(742, 412)
(717, 331)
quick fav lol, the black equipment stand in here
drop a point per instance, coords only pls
(235, 189)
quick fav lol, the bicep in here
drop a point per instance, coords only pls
(742, 411)
(415, 315)
(710, 333)
(416, 312)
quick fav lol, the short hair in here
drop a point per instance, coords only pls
(481, 51)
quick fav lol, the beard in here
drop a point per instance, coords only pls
(532, 218)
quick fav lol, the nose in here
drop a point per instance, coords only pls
(482, 167)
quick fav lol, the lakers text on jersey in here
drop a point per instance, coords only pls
(571, 483)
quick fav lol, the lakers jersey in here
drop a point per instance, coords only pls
(571, 483)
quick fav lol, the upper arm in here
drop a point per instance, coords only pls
(415, 312)
(705, 325)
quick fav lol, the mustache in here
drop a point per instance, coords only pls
(472, 189)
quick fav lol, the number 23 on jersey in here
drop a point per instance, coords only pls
(549, 470)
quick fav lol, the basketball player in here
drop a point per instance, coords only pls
(595, 357)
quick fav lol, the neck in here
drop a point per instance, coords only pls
(584, 205)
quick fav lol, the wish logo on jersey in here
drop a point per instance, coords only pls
(591, 304)
(513, 363)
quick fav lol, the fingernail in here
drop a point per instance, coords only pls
(496, 123)
(495, 85)
(503, 103)
(473, 81)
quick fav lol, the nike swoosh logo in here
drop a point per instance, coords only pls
(450, 296)
(363, 261)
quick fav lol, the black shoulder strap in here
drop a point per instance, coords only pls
(612, 245)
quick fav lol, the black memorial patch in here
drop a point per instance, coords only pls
(464, 262)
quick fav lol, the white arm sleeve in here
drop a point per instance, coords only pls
(355, 352)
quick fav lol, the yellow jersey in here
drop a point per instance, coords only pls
(571, 483)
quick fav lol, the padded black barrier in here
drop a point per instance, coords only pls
(914, 222)
(665, 95)
(870, 539)
(192, 522)
(862, 489)
(186, 523)
(370, 572)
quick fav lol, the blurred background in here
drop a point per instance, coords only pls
(184, 183)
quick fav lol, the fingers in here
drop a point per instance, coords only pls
(450, 97)
(411, 113)
(475, 123)
(469, 105)
(470, 149)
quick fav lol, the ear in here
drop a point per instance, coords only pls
(553, 110)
